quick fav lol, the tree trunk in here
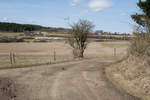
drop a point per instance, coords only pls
(78, 53)
(81, 54)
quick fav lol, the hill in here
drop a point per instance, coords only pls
(15, 27)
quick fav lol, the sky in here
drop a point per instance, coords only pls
(107, 15)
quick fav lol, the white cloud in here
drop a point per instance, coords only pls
(75, 2)
(122, 14)
(99, 5)
(5, 19)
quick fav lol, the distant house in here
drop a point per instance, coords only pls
(99, 32)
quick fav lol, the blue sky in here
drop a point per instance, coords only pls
(107, 15)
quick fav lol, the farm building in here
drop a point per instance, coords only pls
(98, 32)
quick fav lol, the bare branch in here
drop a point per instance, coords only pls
(79, 35)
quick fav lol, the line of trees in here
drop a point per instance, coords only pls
(14, 27)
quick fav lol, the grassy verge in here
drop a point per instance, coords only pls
(26, 65)
(123, 84)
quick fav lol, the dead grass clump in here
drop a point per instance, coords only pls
(132, 74)
(140, 45)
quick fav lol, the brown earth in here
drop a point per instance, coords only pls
(37, 53)
(131, 75)
(81, 80)
(76, 80)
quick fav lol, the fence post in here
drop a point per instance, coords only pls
(50, 58)
(54, 55)
(10, 57)
(114, 51)
(14, 60)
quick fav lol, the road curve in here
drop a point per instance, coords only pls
(81, 80)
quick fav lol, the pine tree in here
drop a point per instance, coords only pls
(143, 19)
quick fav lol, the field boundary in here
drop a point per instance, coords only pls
(40, 64)
(119, 81)
(33, 65)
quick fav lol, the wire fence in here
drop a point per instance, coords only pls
(12, 59)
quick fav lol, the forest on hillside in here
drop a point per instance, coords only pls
(14, 27)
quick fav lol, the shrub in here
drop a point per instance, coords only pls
(140, 44)
(78, 37)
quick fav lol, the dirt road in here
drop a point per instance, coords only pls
(81, 80)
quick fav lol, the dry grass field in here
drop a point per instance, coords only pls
(9, 34)
(76, 80)
(28, 54)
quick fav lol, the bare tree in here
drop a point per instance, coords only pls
(79, 35)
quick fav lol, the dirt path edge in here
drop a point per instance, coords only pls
(118, 83)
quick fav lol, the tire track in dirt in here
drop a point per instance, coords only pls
(82, 80)
(70, 88)
(55, 86)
